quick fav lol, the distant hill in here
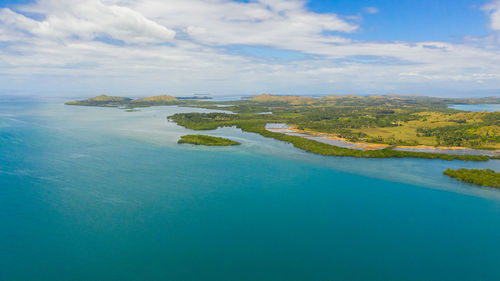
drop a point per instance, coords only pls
(195, 97)
(275, 98)
(156, 100)
(333, 97)
(102, 100)
(113, 101)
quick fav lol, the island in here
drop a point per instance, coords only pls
(374, 126)
(482, 177)
(207, 140)
(195, 97)
(102, 100)
(114, 101)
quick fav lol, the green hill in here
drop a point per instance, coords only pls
(102, 100)
(156, 100)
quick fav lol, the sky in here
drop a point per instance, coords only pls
(228, 47)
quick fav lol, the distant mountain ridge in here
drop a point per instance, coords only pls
(302, 99)
(155, 100)
(115, 101)
(102, 100)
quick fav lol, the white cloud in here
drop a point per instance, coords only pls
(495, 19)
(87, 19)
(274, 23)
(181, 46)
(371, 10)
(493, 10)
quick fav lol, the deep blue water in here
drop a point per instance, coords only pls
(102, 194)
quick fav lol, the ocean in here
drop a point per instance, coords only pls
(476, 107)
(91, 193)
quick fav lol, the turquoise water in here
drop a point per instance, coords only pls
(476, 107)
(103, 194)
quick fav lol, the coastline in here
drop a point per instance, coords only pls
(360, 145)
(321, 143)
(365, 146)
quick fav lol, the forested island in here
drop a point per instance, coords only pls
(207, 140)
(389, 121)
(482, 177)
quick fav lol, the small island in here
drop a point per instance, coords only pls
(482, 177)
(207, 140)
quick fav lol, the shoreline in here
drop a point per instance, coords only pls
(365, 146)
(361, 145)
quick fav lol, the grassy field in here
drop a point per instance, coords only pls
(407, 131)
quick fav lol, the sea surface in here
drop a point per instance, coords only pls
(92, 193)
(476, 107)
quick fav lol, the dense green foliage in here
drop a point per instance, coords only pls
(466, 135)
(255, 123)
(463, 134)
(484, 177)
(206, 140)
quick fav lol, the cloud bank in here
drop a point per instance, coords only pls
(145, 47)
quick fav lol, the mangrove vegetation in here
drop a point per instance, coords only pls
(482, 177)
(206, 140)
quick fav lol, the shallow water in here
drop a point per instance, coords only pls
(283, 129)
(476, 107)
(102, 194)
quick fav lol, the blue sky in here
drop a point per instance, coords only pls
(416, 20)
(145, 47)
